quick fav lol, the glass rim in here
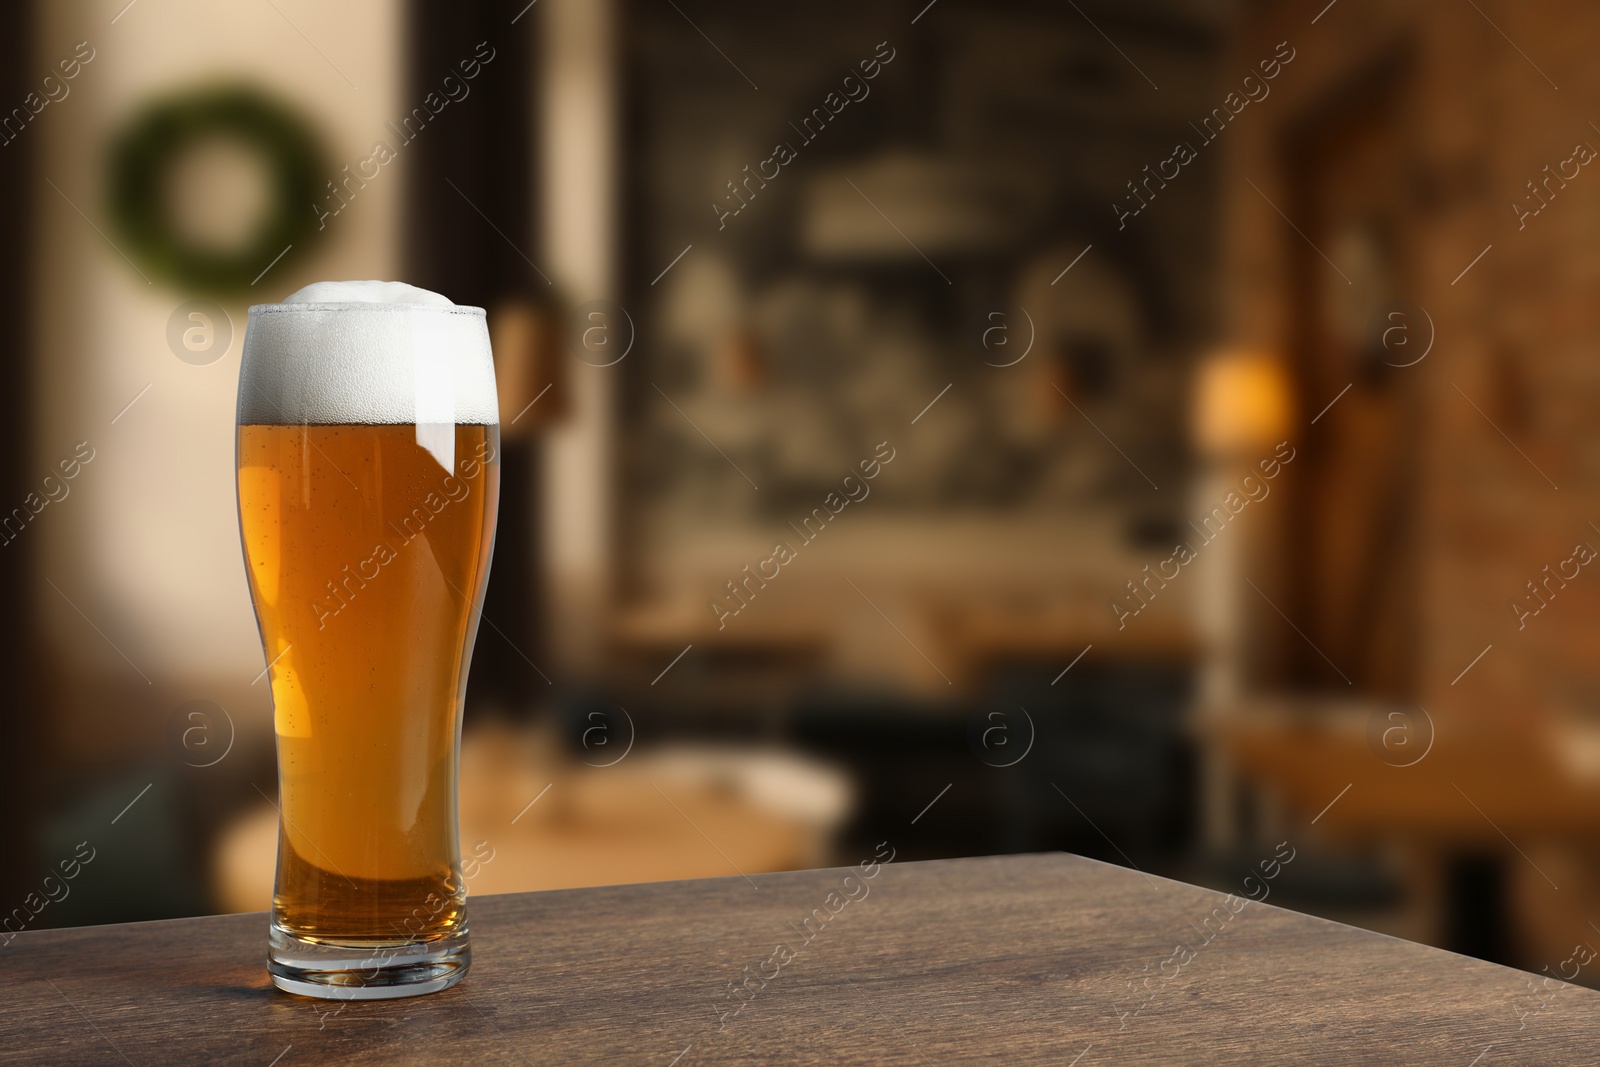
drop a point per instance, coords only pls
(365, 305)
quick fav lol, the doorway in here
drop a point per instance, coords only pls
(1354, 338)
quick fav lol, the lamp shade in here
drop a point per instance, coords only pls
(1241, 401)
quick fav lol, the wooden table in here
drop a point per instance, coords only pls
(1021, 959)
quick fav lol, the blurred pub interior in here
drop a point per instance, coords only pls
(1178, 505)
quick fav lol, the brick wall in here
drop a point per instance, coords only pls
(1516, 334)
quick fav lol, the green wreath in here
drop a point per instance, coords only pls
(143, 154)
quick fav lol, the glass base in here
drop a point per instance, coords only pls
(366, 970)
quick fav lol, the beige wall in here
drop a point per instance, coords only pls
(146, 545)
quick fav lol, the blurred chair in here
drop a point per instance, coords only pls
(1111, 774)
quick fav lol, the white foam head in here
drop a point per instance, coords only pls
(367, 293)
(381, 353)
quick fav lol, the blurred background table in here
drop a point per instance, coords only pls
(1027, 959)
(535, 819)
(1498, 828)
(1466, 789)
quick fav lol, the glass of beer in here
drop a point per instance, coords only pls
(368, 439)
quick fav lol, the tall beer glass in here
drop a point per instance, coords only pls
(368, 438)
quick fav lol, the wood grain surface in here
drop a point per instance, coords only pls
(1047, 959)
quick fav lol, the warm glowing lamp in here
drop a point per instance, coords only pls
(1241, 403)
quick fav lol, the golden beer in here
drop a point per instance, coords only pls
(367, 546)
